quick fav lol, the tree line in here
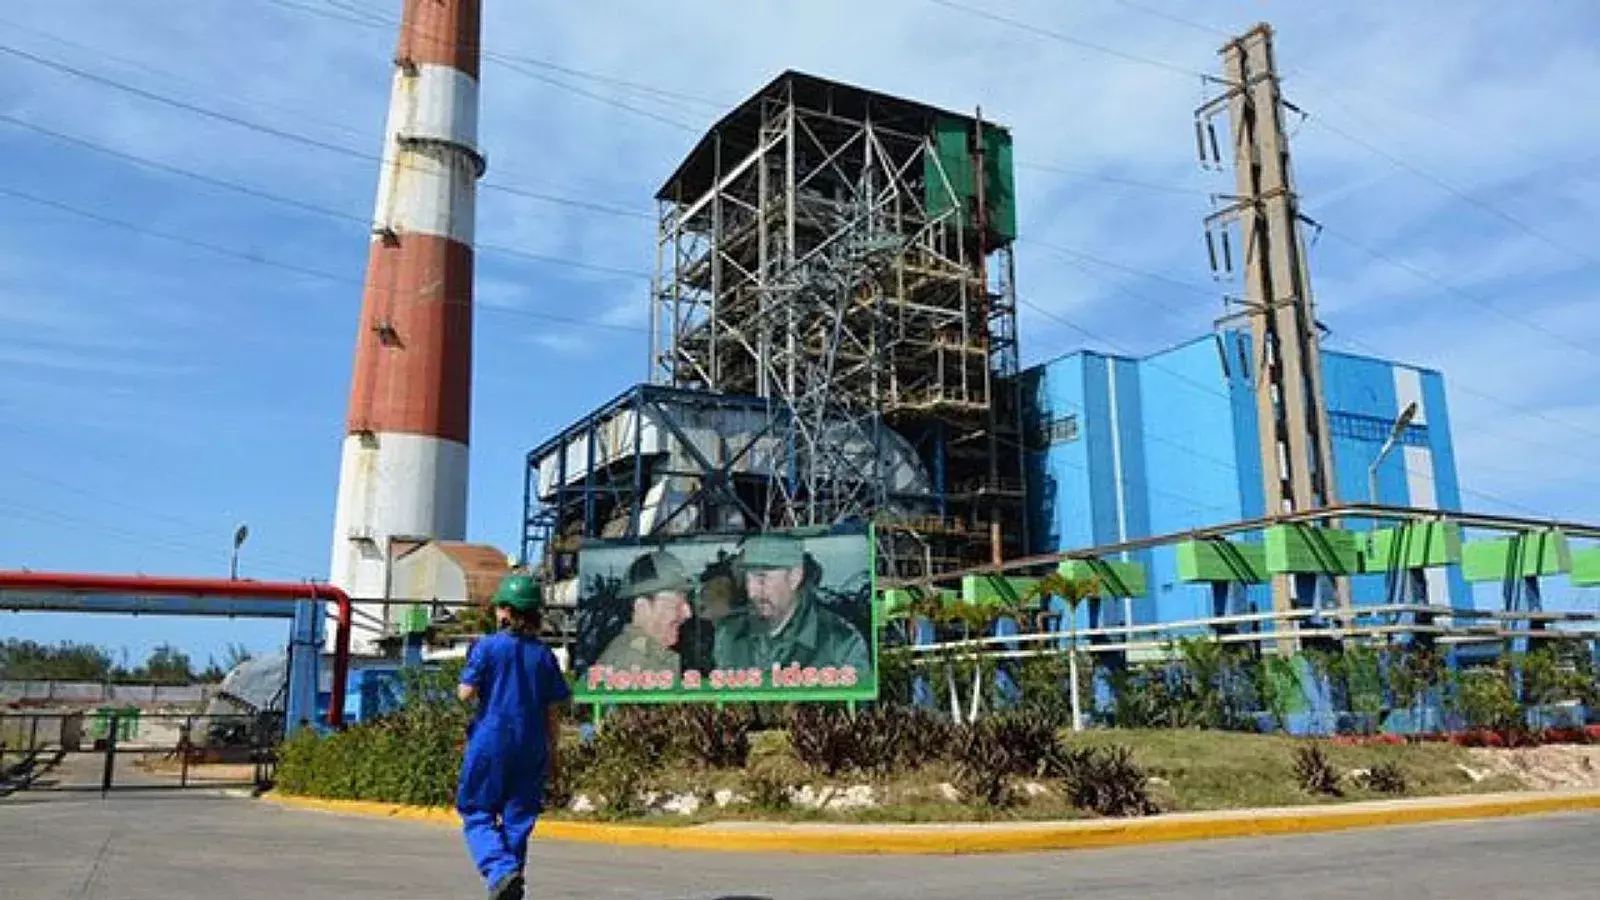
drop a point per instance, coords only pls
(70, 661)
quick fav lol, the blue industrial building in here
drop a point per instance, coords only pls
(1123, 448)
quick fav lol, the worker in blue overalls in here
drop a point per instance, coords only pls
(511, 742)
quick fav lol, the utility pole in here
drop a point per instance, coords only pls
(1296, 456)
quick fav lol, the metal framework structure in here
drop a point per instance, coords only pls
(844, 257)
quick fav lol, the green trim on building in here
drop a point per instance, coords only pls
(988, 590)
(1586, 567)
(1222, 560)
(1526, 555)
(1414, 545)
(1307, 550)
(1117, 578)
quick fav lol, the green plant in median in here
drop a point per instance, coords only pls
(1103, 780)
(1314, 772)
(1279, 686)
(1387, 778)
(1488, 700)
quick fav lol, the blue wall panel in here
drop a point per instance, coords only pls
(1185, 442)
(1190, 462)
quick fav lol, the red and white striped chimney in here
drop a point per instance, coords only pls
(403, 471)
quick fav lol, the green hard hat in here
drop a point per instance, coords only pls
(652, 573)
(771, 551)
(519, 592)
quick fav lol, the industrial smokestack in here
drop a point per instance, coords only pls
(403, 470)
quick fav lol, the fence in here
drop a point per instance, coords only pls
(116, 748)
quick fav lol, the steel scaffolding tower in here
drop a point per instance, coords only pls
(845, 256)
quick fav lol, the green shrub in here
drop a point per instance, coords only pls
(412, 756)
(984, 762)
(1103, 780)
(1315, 774)
(1387, 778)
(717, 738)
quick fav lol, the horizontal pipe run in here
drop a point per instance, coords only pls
(171, 586)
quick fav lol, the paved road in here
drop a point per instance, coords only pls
(177, 847)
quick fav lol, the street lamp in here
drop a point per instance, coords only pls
(239, 535)
(1400, 425)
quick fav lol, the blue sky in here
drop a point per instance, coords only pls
(157, 393)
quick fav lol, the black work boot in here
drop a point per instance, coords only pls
(507, 888)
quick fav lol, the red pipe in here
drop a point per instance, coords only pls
(85, 583)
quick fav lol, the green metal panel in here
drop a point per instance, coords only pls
(1414, 545)
(1522, 556)
(897, 602)
(1000, 184)
(1586, 567)
(1222, 560)
(953, 156)
(1303, 549)
(414, 620)
(985, 590)
(1117, 578)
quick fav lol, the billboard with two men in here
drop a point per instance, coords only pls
(774, 616)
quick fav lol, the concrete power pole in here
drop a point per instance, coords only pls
(1296, 457)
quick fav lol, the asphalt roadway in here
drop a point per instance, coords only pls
(176, 846)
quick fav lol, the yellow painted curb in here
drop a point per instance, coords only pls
(966, 838)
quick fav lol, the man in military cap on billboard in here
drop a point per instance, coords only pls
(784, 622)
(658, 586)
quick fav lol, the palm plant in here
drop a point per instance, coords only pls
(1072, 591)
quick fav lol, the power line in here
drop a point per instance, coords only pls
(1369, 146)
(1460, 292)
(1114, 179)
(1455, 191)
(1074, 41)
(519, 64)
(293, 202)
(293, 136)
(277, 264)
(1170, 17)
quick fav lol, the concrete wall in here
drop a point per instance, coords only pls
(1169, 442)
(89, 693)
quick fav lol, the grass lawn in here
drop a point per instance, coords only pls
(1190, 771)
(1207, 770)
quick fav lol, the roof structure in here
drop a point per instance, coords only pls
(738, 130)
(482, 567)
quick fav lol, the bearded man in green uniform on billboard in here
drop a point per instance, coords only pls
(784, 622)
(658, 587)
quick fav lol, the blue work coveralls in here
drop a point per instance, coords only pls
(503, 772)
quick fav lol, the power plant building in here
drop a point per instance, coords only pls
(834, 339)
(1126, 448)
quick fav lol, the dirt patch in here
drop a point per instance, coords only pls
(1553, 766)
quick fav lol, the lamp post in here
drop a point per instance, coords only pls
(1400, 425)
(239, 535)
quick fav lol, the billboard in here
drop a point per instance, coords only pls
(775, 616)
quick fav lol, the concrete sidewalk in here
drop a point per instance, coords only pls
(1006, 837)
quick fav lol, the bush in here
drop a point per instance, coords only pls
(1386, 778)
(1315, 774)
(879, 740)
(1103, 780)
(824, 739)
(717, 738)
(984, 762)
(412, 756)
